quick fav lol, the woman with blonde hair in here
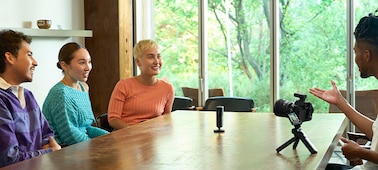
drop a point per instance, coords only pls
(142, 97)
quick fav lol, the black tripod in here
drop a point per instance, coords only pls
(298, 135)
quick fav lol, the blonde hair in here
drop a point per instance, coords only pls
(143, 45)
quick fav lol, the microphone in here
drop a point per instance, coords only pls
(219, 118)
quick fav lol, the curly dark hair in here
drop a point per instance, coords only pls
(10, 41)
(367, 29)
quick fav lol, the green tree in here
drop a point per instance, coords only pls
(312, 46)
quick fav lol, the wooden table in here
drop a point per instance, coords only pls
(185, 140)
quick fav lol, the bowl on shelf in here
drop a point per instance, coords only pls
(44, 23)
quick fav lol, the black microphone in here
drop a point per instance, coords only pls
(219, 118)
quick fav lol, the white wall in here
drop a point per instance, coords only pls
(67, 13)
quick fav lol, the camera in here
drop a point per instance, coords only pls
(297, 112)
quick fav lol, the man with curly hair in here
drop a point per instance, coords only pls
(366, 58)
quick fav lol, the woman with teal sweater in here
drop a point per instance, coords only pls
(67, 106)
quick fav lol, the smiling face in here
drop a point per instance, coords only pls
(150, 62)
(79, 67)
(23, 65)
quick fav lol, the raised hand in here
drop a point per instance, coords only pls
(332, 96)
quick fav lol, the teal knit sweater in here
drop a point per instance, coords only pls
(69, 113)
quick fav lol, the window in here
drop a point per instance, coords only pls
(312, 42)
(312, 48)
(176, 30)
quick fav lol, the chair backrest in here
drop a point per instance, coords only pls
(102, 122)
(182, 103)
(232, 104)
(216, 92)
(366, 103)
(193, 93)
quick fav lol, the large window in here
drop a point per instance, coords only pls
(312, 48)
(238, 46)
(238, 49)
(176, 30)
(312, 42)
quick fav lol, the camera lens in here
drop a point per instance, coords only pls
(282, 108)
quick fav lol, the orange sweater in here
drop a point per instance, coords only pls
(134, 102)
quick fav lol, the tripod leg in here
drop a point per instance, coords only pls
(307, 143)
(287, 143)
(296, 143)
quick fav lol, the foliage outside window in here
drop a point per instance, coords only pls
(312, 46)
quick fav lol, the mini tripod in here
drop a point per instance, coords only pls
(298, 135)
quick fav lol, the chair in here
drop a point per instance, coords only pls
(193, 93)
(182, 103)
(232, 104)
(102, 122)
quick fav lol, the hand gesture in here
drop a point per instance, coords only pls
(332, 96)
(350, 149)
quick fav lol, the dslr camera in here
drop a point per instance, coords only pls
(297, 112)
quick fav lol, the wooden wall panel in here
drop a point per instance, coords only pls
(125, 40)
(109, 21)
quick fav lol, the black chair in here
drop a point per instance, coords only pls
(232, 104)
(182, 103)
(102, 122)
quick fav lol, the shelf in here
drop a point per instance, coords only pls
(53, 32)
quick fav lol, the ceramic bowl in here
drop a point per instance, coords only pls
(44, 23)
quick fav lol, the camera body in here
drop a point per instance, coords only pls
(297, 112)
